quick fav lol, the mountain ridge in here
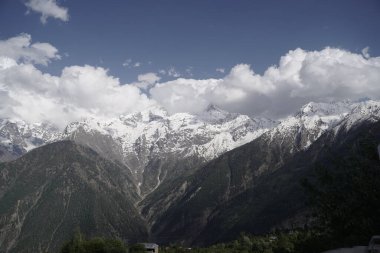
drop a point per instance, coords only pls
(140, 140)
(53, 189)
(254, 188)
(251, 186)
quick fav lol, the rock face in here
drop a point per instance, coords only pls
(52, 190)
(154, 145)
(190, 179)
(18, 137)
(256, 187)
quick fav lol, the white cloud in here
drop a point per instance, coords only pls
(189, 71)
(146, 81)
(48, 8)
(21, 49)
(220, 70)
(81, 91)
(365, 52)
(301, 76)
(184, 95)
(173, 72)
(148, 78)
(128, 63)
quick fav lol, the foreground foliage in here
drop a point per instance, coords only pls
(95, 245)
(345, 195)
(280, 242)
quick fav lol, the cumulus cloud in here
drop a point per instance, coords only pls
(80, 91)
(48, 8)
(86, 91)
(365, 52)
(148, 78)
(21, 49)
(184, 95)
(146, 81)
(301, 76)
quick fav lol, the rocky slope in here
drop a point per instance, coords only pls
(52, 190)
(150, 174)
(154, 145)
(18, 137)
(256, 187)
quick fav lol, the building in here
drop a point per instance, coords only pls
(150, 247)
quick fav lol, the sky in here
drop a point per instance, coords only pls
(78, 58)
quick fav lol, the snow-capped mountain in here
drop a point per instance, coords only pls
(143, 140)
(313, 119)
(252, 186)
(18, 137)
(157, 146)
(362, 111)
(148, 140)
(206, 135)
(157, 168)
(300, 130)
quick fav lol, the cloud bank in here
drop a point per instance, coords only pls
(48, 8)
(86, 91)
(20, 48)
(300, 77)
(80, 91)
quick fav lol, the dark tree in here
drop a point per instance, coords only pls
(95, 245)
(346, 195)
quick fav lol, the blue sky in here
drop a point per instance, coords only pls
(61, 61)
(198, 35)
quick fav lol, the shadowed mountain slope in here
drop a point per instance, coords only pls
(255, 188)
(48, 193)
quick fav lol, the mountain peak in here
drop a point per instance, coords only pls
(153, 113)
(212, 107)
(156, 110)
(148, 114)
(324, 109)
(214, 114)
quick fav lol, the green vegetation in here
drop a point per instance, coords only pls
(280, 242)
(78, 244)
(95, 245)
(345, 195)
(136, 248)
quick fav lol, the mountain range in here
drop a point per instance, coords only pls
(181, 178)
